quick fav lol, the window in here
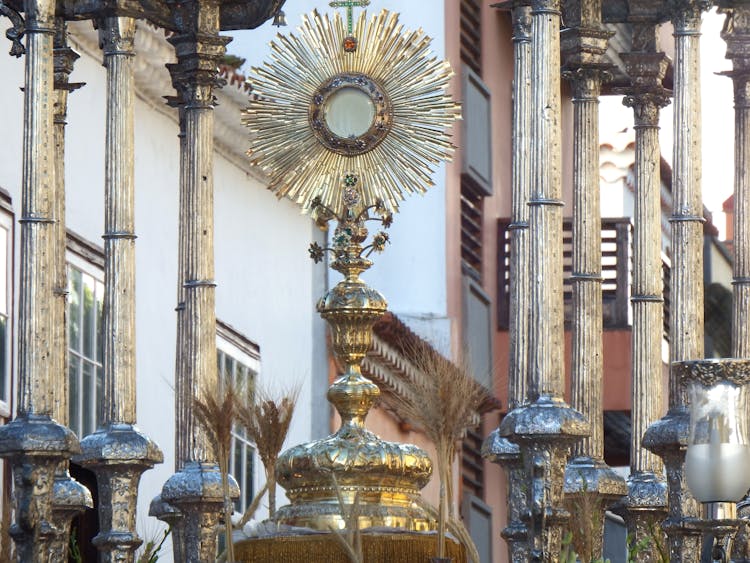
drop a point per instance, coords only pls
(238, 360)
(471, 34)
(472, 217)
(85, 340)
(6, 297)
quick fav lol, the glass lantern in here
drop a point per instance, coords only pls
(718, 452)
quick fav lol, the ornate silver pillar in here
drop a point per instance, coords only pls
(35, 444)
(496, 448)
(118, 453)
(69, 497)
(591, 485)
(159, 508)
(669, 436)
(196, 490)
(736, 33)
(546, 427)
(645, 506)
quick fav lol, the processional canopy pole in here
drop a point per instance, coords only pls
(334, 124)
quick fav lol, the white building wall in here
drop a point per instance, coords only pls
(264, 275)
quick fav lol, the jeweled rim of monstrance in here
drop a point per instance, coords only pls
(389, 88)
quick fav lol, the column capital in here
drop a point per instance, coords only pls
(646, 95)
(582, 13)
(195, 74)
(736, 33)
(116, 35)
(686, 15)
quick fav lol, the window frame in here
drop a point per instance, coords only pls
(89, 260)
(7, 222)
(231, 343)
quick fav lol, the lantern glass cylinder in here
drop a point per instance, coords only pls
(717, 462)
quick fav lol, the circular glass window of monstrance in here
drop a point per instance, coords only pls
(350, 114)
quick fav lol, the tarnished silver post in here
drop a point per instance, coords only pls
(736, 33)
(118, 453)
(69, 497)
(35, 444)
(496, 448)
(196, 489)
(590, 485)
(546, 427)
(645, 506)
(159, 508)
(669, 436)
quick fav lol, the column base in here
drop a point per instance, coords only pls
(69, 498)
(643, 511)
(36, 446)
(118, 454)
(197, 492)
(545, 431)
(508, 455)
(168, 514)
(668, 438)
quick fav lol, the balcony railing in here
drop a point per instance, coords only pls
(617, 268)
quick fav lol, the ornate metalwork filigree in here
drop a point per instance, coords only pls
(16, 32)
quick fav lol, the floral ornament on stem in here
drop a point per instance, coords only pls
(351, 233)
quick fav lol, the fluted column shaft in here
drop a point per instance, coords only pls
(35, 444)
(545, 213)
(546, 427)
(741, 220)
(196, 489)
(118, 38)
(518, 364)
(736, 33)
(497, 448)
(587, 368)
(35, 385)
(645, 505)
(117, 452)
(668, 438)
(69, 497)
(647, 291)
(590, 485)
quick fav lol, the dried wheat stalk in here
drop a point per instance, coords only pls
(443, 402)
(267, 422)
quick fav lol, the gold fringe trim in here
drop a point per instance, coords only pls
(377, 548)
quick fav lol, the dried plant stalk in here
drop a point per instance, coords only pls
(216, 411)
(443, 401)
(267, 422)
(351, 539)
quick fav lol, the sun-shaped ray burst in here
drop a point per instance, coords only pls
(410, 127)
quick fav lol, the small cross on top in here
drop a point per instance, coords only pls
(349, 5)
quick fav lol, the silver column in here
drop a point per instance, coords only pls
(589, 483)
(35, 444)
(546, 427)
(645, 506)
(496, 448)
(195, 490)
(669, 436)
(736, 33)
(118, 453)
(69, 497)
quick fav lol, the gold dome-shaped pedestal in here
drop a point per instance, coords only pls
(319, 477)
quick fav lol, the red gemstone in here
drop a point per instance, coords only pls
(350, 44)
